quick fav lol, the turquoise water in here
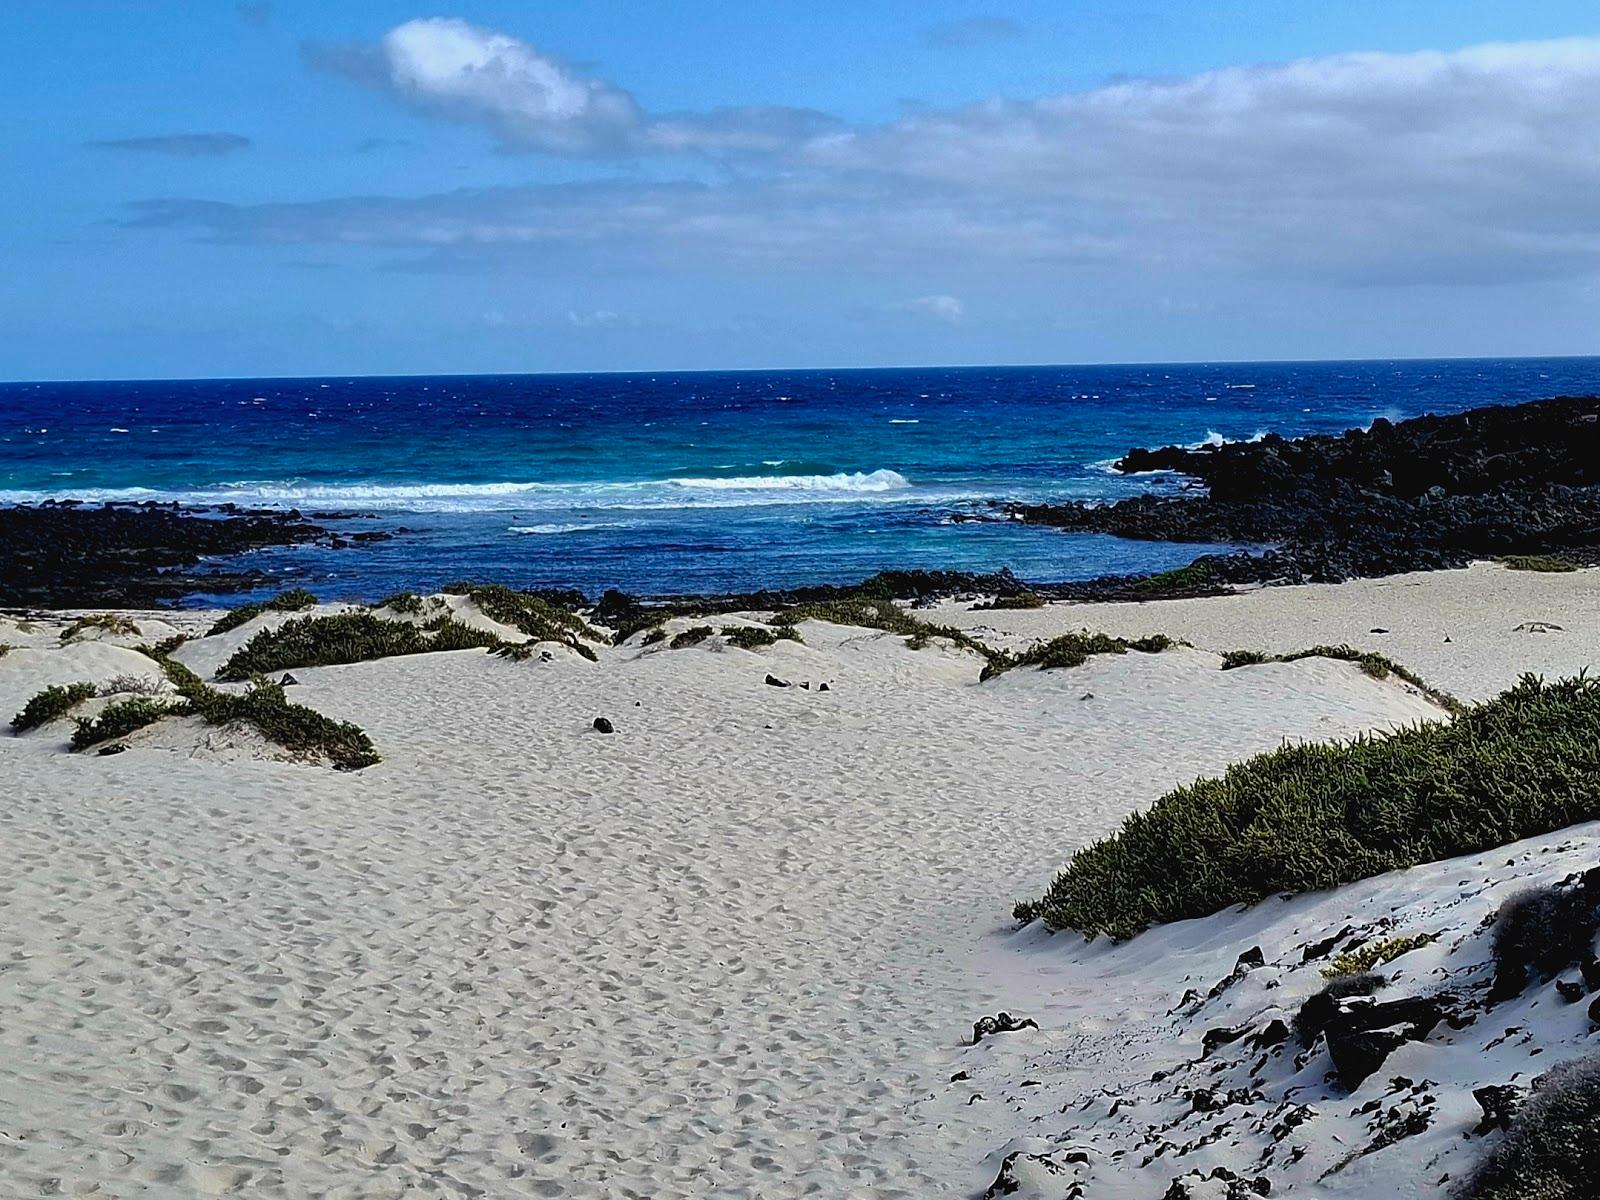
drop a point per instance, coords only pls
(698, 481)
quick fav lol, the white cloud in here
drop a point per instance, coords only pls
(531, 100)
(947, 309)
(1478, 165)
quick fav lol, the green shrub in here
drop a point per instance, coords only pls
(113, 623)
(118, 720)
(1071, 650)
(533, 615)
(754, 637)
(160, 650)
(1195, 575)
(652, 636)
(1550, 1151)
(691, 636)
(875, 611)
(408, 603)
(1376, 665)
(1374, 954)
(1245, 658)
(292, 726)
(1538, 562)
(6, 648)
(294, 600)
(346, 638)
(1307, 817)
(1020, 600)
(52, 704)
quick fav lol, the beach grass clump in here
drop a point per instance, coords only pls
(1552, 1149)
(1538, 562)
(1180, 579)
(294, 600)
(1313, 816)
(1364, 959)
(691, 636)
(52, 704)
(653, 635)
(1020, 600)
(115, 624)
(407, 603)
(1377, 666)
(118, 720)
(295, 727)
(1072, 650)
(754, 637)
(541, 619)
(346, 638)
(875, 609)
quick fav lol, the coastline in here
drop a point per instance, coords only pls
(736, 947)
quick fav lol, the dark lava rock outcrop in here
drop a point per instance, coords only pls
(1428, 493)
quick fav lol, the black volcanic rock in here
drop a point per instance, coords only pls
(1424, 494)
(132, 555)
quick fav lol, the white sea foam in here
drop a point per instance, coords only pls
(556, 527)
(854, 481)
(904, 421)
(730, 492)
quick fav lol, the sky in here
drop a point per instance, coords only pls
(372, 187)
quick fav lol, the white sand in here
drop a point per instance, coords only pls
(731, 950)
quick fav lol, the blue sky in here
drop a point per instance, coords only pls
(306, 188)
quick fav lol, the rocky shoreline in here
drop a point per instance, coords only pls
(1418, 495)
(66, 554)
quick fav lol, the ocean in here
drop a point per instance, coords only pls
(698, 481)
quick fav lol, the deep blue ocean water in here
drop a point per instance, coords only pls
(704, 481)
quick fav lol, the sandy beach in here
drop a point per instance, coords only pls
(732, 949)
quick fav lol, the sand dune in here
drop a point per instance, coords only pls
(732, 949)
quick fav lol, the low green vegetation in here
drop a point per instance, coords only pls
(408, 603)
(1072, 650)
(1374, 954)
(1538, 562)
(160, 650)
(295, 727)
(541, 619)
(1307, 817)
(264, 705)
(113, 623)
(878, 611)
(652, 636)
(346, 638)
(1376, 665)
(1181, 579)
(1017, 601)
(691, 636)
(118, 720)
(6, 648)
(294, 600)
(754, 637)
(52, 704)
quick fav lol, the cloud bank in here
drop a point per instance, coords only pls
(1473, 165)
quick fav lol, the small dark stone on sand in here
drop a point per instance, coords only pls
(1004, 1023)
(114, 748)
(601, 725)
(288, 681)
(1570, 990)
(822, 687)
(774, 681)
